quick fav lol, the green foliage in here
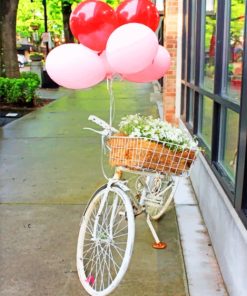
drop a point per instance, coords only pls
(33, 12)
(155, 129)
(209, 70)
(36, 56)
(30, 75)
(27, 14)
(19, 91)
(4, 86)
(237, 18)
(237, 12)
(113, 3)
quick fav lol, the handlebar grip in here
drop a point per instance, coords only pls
(101, 123)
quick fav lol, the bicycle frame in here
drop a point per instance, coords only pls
(112, 181)
(116, 180)
(139, 204)
(107, 231)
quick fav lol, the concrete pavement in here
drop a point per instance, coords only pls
(49, 169)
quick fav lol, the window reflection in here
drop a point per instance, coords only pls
(209, 44)
(193, 43)
(206, 120)
(235, 56)
(230, 144)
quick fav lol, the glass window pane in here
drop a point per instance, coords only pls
(235, 56)
(184, 43)
(182, 99)
(206, 120)
(230, 143)
(192, 50)
(191, 108)
(209, 44)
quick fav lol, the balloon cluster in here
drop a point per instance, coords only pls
(121, 41)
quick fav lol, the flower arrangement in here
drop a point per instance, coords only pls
(155, 129)
(35, 25)
(36, 56)
(149, 144)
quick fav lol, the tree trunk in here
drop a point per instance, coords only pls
(8, 53)
(66, 10)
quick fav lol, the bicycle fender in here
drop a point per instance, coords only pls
(92, 197)
(120, 185)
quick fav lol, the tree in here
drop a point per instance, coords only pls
(8, 57)
(28, 12)
(58, 12)
(66, 11)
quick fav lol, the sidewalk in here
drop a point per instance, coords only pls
(49, 169)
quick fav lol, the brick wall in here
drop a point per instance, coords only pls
(170, 42)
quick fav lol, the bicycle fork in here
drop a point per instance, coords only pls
(113, 210)
(102, 204)
(158, 244)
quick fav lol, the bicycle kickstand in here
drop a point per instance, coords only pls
(158, 244)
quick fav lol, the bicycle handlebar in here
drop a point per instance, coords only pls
(102, 123)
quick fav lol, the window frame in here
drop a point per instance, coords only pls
(237, 192)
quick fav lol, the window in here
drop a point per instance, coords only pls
(235, 45)
(209, 44)
(206, 119)
(214, 89)
(228, 155)
(191, 107)
(192, 32)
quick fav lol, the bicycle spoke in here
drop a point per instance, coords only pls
(117, 224)
(102, 263)
(102, 273)
(114, 264)
(101, 258)
(116, 248)
(105, 237)
(120, 230)
(91, 258)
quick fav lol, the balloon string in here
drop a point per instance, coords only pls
(112, 100)
(109, 82)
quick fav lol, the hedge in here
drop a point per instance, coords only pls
(20, 91)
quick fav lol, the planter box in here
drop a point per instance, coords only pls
(36, 58)
(149, 155)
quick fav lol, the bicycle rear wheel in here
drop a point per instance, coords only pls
(159, 197)
(104, 252)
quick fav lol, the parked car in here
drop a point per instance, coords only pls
(21, 60)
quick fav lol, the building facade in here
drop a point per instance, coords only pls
(206, 91)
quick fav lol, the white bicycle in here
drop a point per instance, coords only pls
(107, 229)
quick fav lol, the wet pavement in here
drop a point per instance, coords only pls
(49, 168)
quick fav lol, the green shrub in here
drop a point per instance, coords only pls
(21, 90)
(32, 75)
(4, 86)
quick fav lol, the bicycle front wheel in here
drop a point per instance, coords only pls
(105, 241)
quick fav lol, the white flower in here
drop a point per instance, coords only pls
(155, 129)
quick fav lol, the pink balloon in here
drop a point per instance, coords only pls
(156, 70)
(108, 69)
(75, 66)
(131, 48)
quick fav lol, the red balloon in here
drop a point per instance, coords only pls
(92, 22)
(138, 11)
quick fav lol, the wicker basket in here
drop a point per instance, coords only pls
(149, 155)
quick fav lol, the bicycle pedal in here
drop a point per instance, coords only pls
(159, 245)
